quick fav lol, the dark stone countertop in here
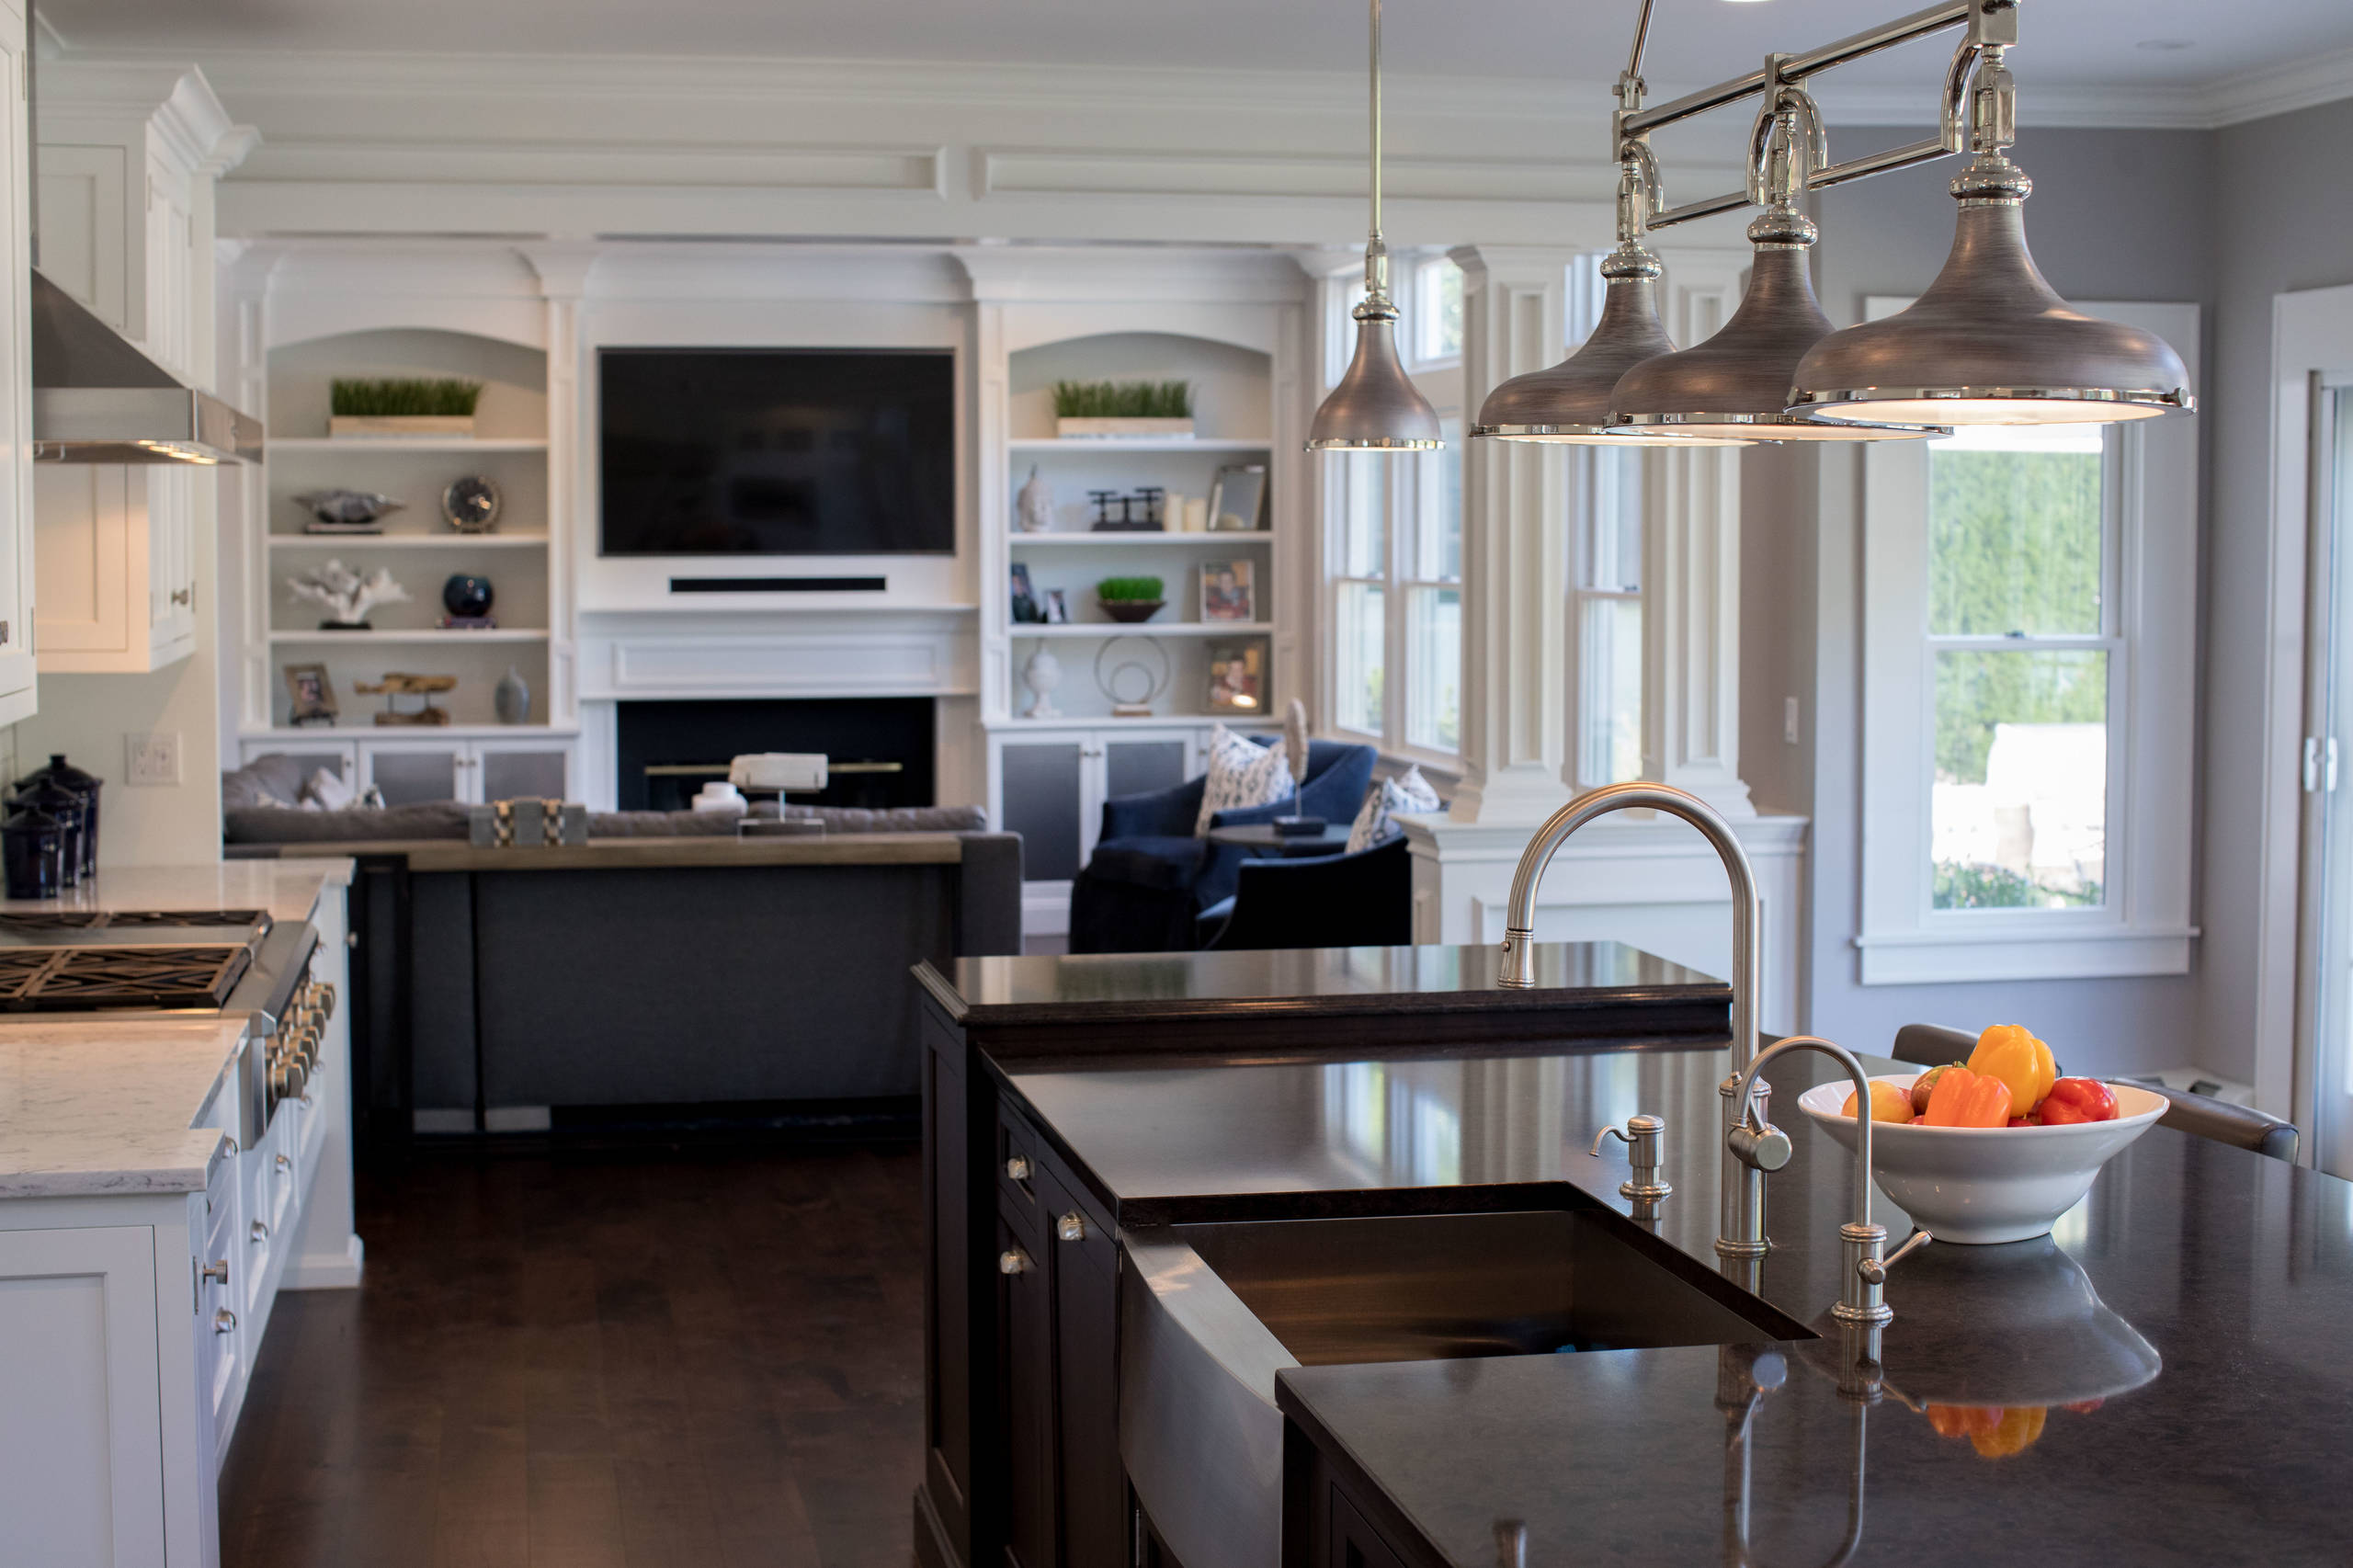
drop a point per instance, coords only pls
(1097, 988)
(2227, 1275)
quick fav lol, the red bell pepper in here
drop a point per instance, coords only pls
(2073, 1101)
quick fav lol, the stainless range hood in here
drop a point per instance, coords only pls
(98, 399)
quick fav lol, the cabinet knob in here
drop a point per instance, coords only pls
(1071, 1227)
(260, 1233)
(216, 1273)
(1012, 1260)
(284, 1164)
(224, 1322)
(1017, 1167)
(183, 596)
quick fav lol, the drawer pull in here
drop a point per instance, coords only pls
(1017, 1167)
(1072, 1227)
(284, 1164)
(1012, 1260)
(224, 1322)
(216, 1273)
(261, 1233)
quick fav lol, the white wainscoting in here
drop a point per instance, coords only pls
(1655, 885)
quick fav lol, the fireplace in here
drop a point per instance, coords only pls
(880, 748)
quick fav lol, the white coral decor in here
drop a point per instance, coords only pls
(343, 594)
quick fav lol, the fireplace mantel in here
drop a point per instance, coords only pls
(907, 652)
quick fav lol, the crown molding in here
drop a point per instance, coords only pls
(524, 77)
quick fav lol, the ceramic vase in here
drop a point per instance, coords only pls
(1035, 504)
(512, 698)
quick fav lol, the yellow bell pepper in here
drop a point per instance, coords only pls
(2009, 1053)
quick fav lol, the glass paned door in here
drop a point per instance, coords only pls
(2021, 639)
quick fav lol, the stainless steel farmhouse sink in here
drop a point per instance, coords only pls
(1210, 1313)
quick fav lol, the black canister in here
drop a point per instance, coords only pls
(33, 853)
(53, 798)
(83, 783)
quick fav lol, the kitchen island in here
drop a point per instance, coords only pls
(1023, 1269)
(2163, 1380)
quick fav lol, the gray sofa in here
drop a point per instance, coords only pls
(505, 988)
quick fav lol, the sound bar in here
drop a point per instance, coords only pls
(779, 585)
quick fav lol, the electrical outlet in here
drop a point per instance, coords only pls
(154, 759)
(1790, 720)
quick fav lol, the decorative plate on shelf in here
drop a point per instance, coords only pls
(472, 505)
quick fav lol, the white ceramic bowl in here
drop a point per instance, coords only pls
(1984, 1183)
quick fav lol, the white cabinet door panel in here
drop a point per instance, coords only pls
(81, 1428)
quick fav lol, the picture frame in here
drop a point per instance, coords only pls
(1026, 611)
(1239, 492)
(1056, 608)
(1229, 591)
(1237, 678)
(312, 694)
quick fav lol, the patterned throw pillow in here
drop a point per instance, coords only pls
(1241, 773)
(1409, 792)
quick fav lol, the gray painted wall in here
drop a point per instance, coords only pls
(2115, 215)
(2281, 222)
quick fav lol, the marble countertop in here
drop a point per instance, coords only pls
(91, 1107)
(288, 889)
(2163, 1380)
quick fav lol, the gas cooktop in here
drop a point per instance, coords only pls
(44, 980)
(130, 928)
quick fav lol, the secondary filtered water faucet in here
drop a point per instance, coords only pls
(1740, 1231)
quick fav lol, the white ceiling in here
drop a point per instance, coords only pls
(2181, 44)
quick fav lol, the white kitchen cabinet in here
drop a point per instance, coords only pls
(81, 1418)
(127, 157)
(17, 666)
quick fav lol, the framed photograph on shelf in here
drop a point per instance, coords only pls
(1237, 678)
(1228, 592)
(313, 695)
(1056, 608)
(1238, 499)
(1027, 610)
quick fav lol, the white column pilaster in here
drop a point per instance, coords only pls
(1515, 545)
(1691, 572)
(563, 270)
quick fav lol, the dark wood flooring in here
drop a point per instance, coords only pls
(638, 1360)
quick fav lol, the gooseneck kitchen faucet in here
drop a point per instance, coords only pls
(1740, 1231)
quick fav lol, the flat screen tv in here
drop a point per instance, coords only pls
(778, 451)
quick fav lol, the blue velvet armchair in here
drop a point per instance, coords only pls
(1150, 877)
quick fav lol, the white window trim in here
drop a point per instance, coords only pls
(2143, 925)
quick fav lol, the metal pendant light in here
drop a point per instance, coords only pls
(1735, 386)
(1376, 407)
(1571, 401)
(1990, 342)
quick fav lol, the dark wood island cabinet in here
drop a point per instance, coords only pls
(1023, 1261)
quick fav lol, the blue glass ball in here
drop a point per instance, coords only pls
(467, 594)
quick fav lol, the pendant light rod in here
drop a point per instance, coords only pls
(1376, 253)
(1991, 24)
(1903, 30)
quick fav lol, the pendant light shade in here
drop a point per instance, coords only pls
(1735, 386)
(1376, 407)
(1571, 401)
(1990, 342)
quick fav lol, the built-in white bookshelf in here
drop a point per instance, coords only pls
(520, 557)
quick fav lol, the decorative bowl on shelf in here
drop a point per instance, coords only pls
(1131, 610)
(1984, 1184)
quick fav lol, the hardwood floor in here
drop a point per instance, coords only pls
(626, 1360)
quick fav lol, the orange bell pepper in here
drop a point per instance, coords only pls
(1964, 1098)
(2008, 1052)
(2019, 1430)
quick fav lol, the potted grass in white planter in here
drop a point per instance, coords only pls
(1111, 410)
(397, 407)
